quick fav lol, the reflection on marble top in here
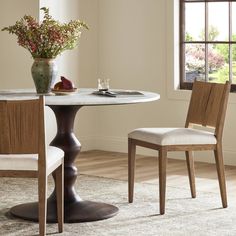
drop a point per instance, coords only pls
(81, 97)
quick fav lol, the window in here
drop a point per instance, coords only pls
(207, 42)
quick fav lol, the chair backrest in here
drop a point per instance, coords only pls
(22, 126)
(208, 105)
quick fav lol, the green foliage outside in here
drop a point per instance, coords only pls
(224, 50)
(188, 37)
(212, 35)
(221, 74)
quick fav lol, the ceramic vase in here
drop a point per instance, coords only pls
(44, 71)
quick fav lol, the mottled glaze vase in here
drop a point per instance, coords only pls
(44, 71)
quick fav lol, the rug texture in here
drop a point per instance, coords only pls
(184, 215)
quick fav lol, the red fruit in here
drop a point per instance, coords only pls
(67, 84)
(58, 85)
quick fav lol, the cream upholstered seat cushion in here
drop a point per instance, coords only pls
(29, 161)
(173, 136)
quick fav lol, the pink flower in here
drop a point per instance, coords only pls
(33, 47)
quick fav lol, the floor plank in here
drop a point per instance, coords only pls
(114, 165)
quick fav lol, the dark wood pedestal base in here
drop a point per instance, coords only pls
(82, 211)
(76, 210)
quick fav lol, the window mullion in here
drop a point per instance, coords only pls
(182, 39)
(230, 45)
(206, 39)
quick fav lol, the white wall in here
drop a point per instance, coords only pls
(79, 65)
(130, 42)
(15, 61)
(132, 53)
(136, 52)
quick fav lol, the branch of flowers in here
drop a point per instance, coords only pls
(48, 39)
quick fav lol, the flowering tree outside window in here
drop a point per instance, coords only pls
(207, 42)
(195, 58)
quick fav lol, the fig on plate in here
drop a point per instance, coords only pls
(58, 85)
(67, 84)
(64, 84)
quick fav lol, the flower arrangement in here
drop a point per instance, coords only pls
(47, 39)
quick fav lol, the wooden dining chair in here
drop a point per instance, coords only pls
(24, 153)
(207, 108)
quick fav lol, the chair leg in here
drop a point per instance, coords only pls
(162, 178)
(42, 192)
(131, 168)
(60, 196)
(221, 174)
(191, 172)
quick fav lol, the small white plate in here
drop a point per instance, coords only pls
(64, 91)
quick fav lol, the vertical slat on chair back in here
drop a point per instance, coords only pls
(20, 124)
(208, 104)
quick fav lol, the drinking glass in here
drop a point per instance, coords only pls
(103, 84)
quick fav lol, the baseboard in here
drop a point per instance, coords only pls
(87, 143)
(120, 144)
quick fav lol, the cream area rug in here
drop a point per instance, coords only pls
(184, 215)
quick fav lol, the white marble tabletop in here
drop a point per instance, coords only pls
(83, 97)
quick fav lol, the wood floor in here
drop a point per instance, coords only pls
(114, 165)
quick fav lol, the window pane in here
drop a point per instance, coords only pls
(218, 29)
(234, 64)
(218, 21)
(194, 62)
(195, 21)
(234, 20)
(218, 63)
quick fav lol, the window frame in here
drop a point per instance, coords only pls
(182, 42)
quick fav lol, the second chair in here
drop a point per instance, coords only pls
(207, 108)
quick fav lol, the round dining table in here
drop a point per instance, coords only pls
(65, 108)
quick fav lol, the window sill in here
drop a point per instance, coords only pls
(179, 94)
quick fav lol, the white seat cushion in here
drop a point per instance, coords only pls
(173, 136)
(29, 161)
